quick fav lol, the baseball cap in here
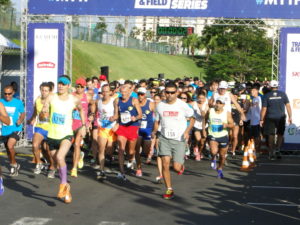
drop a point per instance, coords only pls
(223, 84)
(142, 90)
(64, 80)
(274, 83)
(102, 77)
(222, 100)
(81, 81)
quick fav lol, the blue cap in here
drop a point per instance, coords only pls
(64, 80)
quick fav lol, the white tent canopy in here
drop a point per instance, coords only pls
(7, 44)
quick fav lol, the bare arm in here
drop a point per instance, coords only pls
(238, 107)
(262, 115)
(4, 118)
(21, 118)
(289, 111)
(33, 117)
(116, 110)
(136, 104)
(229, 123)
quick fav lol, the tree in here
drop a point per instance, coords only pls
(236, 52)
(193, 42)
(120, 30)
(5, 3)
(100, 28)
(148, 35)
(135, 32)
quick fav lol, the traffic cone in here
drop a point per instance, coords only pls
(251, 149)
(245, 164)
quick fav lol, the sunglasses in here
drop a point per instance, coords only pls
(170, 92)
(183, 98)
(78, 86)
(141, 93)
(8, 93)
(153, 92)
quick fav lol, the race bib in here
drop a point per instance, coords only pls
(217, 128)
(11, 122)
(105, 123)
(125, 117)
(144, 124)
(171, 133)
(58, 119)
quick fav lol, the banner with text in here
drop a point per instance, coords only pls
(290, 82)
(284, 9)
(45, 60)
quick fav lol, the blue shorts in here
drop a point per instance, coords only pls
(42, 132)
(145, 133)
(222, 141)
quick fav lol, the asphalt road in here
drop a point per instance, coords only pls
(270, 194)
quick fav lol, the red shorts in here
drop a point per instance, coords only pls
(129, 132)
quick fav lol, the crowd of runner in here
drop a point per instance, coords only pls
(166, 120)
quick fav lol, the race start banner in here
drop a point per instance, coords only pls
(45, 60)
(281, 9)
(290, 82)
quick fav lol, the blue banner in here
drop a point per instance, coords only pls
(283, 9)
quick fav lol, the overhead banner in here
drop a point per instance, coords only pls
(45, 60)
(290, 82)
(281, 9)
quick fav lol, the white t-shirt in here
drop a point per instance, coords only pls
(255, 109)
(172, 118)
(105, 112)
(197, 114)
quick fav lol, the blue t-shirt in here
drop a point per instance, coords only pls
(13, 108)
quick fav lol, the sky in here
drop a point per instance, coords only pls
(17, 4)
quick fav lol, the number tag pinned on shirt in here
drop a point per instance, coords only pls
(125, 117)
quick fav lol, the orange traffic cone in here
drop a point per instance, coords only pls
(245, 164)
(251, 149)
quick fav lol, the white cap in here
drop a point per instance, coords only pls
(223, 84)
(142, 90)
(222, 100)
(121, 81)
(274, 83)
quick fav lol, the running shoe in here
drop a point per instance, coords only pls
(121, 176)
(81, 162)
(130, 165)
(38, 168)
(14, 170)
(181, 171)
(1, 186)
(74, 172)
(213, 164)
(220, 174)
(169, 194)
(272, 157)
(101, 175)
(67, 194)
(159, 179)
(61, 191)
(139, 173)
(51, 174)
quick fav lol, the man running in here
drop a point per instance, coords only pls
(172, 115)
(106, 135)
(4, 119)
(145, 129)
(219, 120)
(128, 111)
(60, 135)
(41, 128)
(11, 133)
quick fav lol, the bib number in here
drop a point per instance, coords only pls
(125, 117)
(144, 124)
(171, 133)
(217, 128)
(58, 119)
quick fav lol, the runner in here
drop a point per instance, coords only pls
(41, 122)
(273, 117)
(85, 100)
(200, 109)
(11, 133)
(60, 135)
(4, 119)
(145, 130)
(219, 120)
(172, 115)
(106, 135)
(128, 112)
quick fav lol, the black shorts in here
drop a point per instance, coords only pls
(255, 131)
(274, 126)
(236, 116)
(223, 141)
(54, 144)
(14, 135)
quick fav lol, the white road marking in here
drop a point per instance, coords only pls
(31, 221)
(273, 204)
(277, 174)
(276, 187)
(112, 223)
(278, 164)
